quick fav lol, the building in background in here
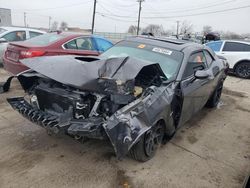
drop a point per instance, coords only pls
(5, 17)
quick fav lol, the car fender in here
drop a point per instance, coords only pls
(128, 124)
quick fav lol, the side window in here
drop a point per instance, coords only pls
(247, 48)
(103, 45)
(15, 36)
(215, 46)
(209, 58)
(84, 44)
(235, 47)
(71, 45)
(197, 61)
(34, 34)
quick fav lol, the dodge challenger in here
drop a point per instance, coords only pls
(136, 94)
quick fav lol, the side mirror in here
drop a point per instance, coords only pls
(201, 74)
(3, 40)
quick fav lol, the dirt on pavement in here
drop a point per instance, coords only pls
(211, 150)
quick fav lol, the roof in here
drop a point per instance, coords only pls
(78, 34)
(239, 41)
(175, 44)
(21, 28)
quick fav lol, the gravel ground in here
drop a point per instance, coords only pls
(211, 150)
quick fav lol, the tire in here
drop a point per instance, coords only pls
(215, 98)
(145, 149)
(242, 70)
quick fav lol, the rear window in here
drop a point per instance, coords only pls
(44, 40)
(34, 34)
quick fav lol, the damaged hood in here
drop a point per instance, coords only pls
(84, 75)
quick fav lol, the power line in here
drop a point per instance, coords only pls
(112, 18)
(112, 14)
(59, 7)
(190, 9)
(197, 14)
(118, 5)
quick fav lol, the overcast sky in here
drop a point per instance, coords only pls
(118, 15)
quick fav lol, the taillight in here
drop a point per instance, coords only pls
(31, 53)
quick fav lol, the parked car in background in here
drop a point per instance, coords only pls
(237, 54)
(12, 34)
(51, 44)
(136, 94)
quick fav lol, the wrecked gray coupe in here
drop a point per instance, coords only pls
(136, 94)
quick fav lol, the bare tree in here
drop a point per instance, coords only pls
(54, 26)
(207, 29)
(132, 29)
(63, 26)
(230, 35)
(154, 29)
(186, 27)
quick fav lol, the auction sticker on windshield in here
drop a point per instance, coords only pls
(162, 51)
(141, 46)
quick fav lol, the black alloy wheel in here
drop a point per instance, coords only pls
(243, 70)
(146, 148)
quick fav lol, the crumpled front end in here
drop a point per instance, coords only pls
(120, 109)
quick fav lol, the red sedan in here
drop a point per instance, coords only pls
(57, 43)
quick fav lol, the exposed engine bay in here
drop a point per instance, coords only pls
(56, 98)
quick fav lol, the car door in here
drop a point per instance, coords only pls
(234, 52)
(80, 46)
(195, 92)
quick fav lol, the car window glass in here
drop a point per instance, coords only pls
(215, 46)
(236, 47)
(71, 45)
(15, 36)
(209, 58)
(45, 39)
(84, 44)
(103, 45)
(247, 47)
(169, 60)
(197, 61)
(34, 34)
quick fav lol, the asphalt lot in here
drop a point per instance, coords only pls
(211, 150)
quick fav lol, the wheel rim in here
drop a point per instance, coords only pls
(243, 71)
(153, 139)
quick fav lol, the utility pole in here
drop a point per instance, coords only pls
(93, 19)
(49, 21)
(24, 19)
(177, 29)
(139, 16)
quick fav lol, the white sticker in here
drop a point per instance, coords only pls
(162, 51)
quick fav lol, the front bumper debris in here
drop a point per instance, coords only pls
(4, 87)
(33, 114)
(90, 128)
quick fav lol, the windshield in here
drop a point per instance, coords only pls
(169, 60)
(44, 40)
(2, 30)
